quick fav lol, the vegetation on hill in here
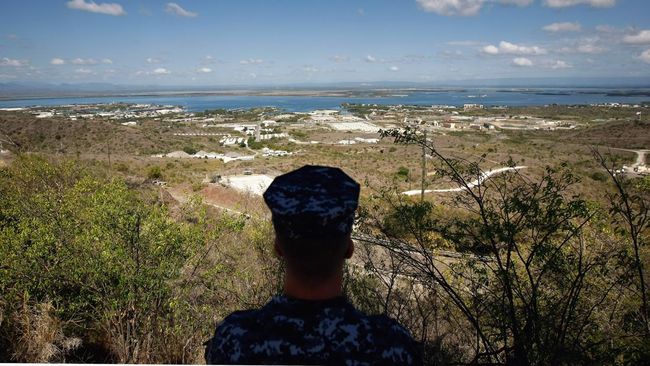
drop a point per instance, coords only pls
(548, 265)
(92, 270)
(620, 134)
(99, 136)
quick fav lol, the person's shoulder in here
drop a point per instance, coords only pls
(243, 319)
(240, 315)
(228, 336)
(381, 324)
(394, 343)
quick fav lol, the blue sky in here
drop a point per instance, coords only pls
(269, 42)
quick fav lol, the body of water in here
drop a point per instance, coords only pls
(487, 97)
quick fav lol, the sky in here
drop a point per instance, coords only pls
(283, 42)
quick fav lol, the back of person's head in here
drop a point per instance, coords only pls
(313, 212)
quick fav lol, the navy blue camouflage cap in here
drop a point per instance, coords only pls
(312, 202)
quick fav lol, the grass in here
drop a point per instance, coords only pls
(129, 149)
(114, 151)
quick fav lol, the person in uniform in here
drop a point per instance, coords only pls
(311, 322)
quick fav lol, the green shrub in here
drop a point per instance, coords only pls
(197, 186)
(190, 150)
(403, 173)
(121, 167)
(599, 176)
(298, 134)
(154, 172)
(255, 145)
(98, 263)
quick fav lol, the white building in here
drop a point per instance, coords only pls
(471, 106)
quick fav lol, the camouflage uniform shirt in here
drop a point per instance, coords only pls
(292, 331)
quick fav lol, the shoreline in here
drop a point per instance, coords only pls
(333, 93)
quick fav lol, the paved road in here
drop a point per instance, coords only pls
(640, 155)
(483, 177)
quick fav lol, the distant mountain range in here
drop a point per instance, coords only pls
(19, 90)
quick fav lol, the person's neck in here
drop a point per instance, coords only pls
(325, 289)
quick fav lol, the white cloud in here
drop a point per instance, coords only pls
(516, 2)
(513, 49)
(645, 56)
(448, 54)
(107, 61)
(567, 3)
(339, 59)
(152, 60)
(588, 45)
(173, 8)
(463, 7)
(13, 62)
(208, 60)
(251, 61)
(204, 70)
(161, 71)
(370, 58)
(93, 7)
(643, 37)
(563, 27)
(310, 69)
(57, 61)
(559, 64)
(393, 68)
(522, 61)
(84, 61)
(604, 28)
(452, 7)
(491, 50)
(83, 71)
(590, 48)
(414, 58)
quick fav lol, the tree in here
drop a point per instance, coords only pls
(520, 276)
(630, 207)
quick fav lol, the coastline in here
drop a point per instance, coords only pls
(341, 93)
(302, 100)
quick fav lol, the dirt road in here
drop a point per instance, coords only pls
(481, 179)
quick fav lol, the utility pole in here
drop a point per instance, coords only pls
(424, 165)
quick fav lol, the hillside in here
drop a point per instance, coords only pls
(61, 135)
(621, 134)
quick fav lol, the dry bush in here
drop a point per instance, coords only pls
(40, 336)
(233, 268)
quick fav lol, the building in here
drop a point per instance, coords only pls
(471, 106)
